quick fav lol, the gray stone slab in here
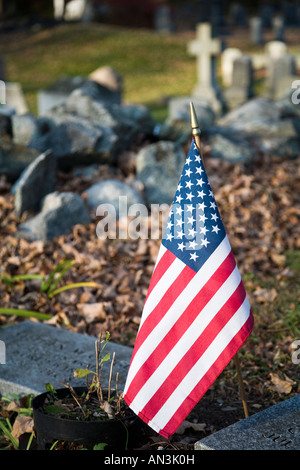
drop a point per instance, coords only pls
(276, 428)
(39, 353)
(37, 180)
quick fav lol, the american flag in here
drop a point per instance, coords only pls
(196, 314)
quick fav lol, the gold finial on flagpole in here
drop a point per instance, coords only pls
(195, 126)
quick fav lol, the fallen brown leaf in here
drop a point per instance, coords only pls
(188, 424)
(92, 312)
(280, 385)
(265, 295)
(22, 425)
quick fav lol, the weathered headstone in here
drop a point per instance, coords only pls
(242, 80)
(206, 48)
(278, 28)
(276, 428)
(15, 97)
(256, 29)
(163, 19)
(37, 354)
(280, 68)
(228, 57)
(275, 49)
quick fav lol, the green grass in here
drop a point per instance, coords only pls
(282, 315)
(152, 66)
(277, 322)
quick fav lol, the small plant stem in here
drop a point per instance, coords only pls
(97, 347)
(117, 382)
(75, 397)
(99, 388)
(118, 396)
(110, 375)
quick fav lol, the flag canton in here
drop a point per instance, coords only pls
(194, 228)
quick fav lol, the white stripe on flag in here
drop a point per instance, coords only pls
(201, 367)
(169, 276)
(176, 309)
(161, 252)
(187, 340)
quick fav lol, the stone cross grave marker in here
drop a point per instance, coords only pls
(206, 48)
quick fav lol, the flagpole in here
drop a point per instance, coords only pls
(196, 133)
(195, 126)
(241, 383)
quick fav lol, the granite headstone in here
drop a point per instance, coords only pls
(276, 428)
(37, 354)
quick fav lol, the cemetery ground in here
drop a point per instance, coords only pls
(260, 209)
(155, 66)
(258, 202)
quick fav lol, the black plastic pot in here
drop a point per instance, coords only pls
(117, 434)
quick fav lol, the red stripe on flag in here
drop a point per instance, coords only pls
(195, 352)
(163, 306)
(164, 263)
(196, 394)
(182, 324)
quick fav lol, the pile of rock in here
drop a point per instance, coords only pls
(91, 126)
